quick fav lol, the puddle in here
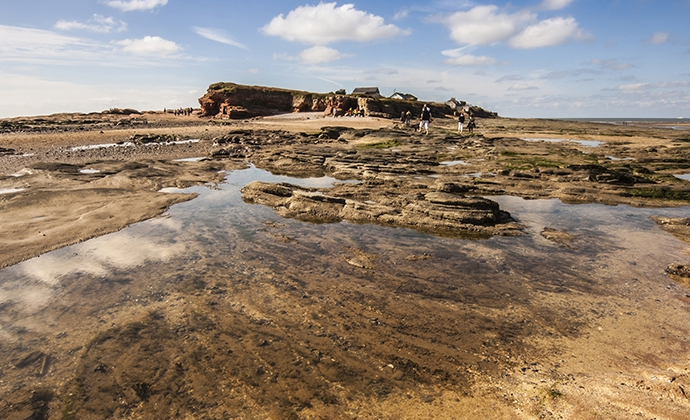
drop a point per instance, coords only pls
(192, 159)
(585, 143)
(616, 159)
(101, 146)
(10, 190)
(453, 162)
(129, 144)
(90, 171)
(232, 286)
(685, 177)
(22, 173)
(479, 175)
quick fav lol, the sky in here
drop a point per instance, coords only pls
(520, 58)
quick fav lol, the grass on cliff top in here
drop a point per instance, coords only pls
(230, 88)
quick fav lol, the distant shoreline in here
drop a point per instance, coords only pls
(679, 123)
(681, 120)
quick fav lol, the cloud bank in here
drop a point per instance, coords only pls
(134, 5)
(97, 23)
(487, 26)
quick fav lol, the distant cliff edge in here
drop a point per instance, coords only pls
(233, 101)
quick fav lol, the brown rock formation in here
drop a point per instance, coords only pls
(233, 101)
(230, 100)
(435, 212)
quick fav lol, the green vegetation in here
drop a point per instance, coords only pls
(383, 144)
(527, 163)
(660, 194)
(553, 393)
(229, 88)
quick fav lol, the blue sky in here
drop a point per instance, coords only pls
(540, 58)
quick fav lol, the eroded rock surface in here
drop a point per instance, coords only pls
(429, 211)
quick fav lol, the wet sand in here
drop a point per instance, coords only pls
(223, 309)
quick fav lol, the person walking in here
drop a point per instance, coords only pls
(461, 122)
(426, 119)
(408, 117)
(472, 124)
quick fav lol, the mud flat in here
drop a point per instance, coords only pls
(308, 267)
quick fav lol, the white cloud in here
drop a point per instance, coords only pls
(486, 25)
(522, 86)
(320, 54)
(611, 64)
(482, 25)
(149, 45)
(555, 4)
(97, 23)
(402, 14)
(472, 60)
(132, 5)
(29, 45)
(218, 35)
(659, 38)
(326, 23)
(636, 87)
(547, 33)
(457, 57)
(633, 87)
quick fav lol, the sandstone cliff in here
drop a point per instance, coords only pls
(233, 101)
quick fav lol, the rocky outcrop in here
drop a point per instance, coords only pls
(230, 100)
(438, 211)
(233, 101)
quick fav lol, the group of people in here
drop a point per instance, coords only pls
(356, 112)
(471, 124)
(180, 111)
(426, 119)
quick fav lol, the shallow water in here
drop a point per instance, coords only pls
(218, 218)
(10, 190)
(585, 143)
(453, 162)
(250, 270)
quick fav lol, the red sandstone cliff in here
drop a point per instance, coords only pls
(230, 100)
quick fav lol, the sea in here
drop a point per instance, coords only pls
(678, 123)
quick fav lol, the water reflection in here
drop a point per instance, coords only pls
(10, 190)
(585, 143)
(453, 162)
(218, 274)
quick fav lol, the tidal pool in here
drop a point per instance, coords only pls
(220, 306)
(10, 190)
(585, 143)
(453, 162)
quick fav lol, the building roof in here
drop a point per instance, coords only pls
(367, 91)
(405, 96)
